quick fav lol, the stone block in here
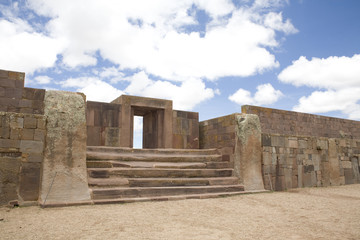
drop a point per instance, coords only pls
(34, 157)
(24, 103)
(2, 92)
(265, 140)
(278, 141)
(302, 143)
(15, 134)
(16, 75)
(64, 164)
(112, 137)
(27, 134)
(267, 158)
(280, 183)
(30, 122)
(349, 176)
(346, 164)
(293, 143)
(16, 122)
(9, 178)
(39, 135)
(322, 144)
(5, 132)
(13, 93)
(30, 146)
(29, 181)
(41, 123)
(7, 83)
(93, 136)
(9, 143)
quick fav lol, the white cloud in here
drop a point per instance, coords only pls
(100, 91)
(329, 73)
(158, 44)
(338, 77)
(265, 95)
(93, 88)
(23, 49)
(42, 80)
(275, 21)
(185, 96)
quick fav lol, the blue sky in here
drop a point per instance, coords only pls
(208, 56)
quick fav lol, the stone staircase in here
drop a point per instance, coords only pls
(120, 175)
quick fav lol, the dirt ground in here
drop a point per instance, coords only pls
(310, 213)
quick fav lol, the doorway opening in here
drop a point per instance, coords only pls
(138, 132)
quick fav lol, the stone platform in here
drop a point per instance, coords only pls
(130, 175)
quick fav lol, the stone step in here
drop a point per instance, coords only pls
(168, 198)
(152, 157)
(140, 164)
(138, 192)
(158, 172)
(163, 151)
(160, 182)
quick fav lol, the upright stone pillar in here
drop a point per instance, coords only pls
(64, 176)
(248, 150)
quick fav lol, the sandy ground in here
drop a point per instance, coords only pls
(311, 213)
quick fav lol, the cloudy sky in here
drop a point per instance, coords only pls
(209, 56)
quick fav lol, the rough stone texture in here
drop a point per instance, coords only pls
(103, 124)
(14, 97)
(64, 177)
(247, 163)
(274, 121)
(21, 155)
(301, 161)
(185, 130)
(238, 138)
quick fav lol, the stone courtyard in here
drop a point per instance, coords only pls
(303, 213)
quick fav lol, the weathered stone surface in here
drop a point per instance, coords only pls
(64, 177)
(247, 162)
(29, 181)
(9, 178)
(334, 168)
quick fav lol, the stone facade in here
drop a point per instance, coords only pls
(111, 124)
(14, 97)
(300, 161)
(185, 130)
(238, 138)
(22, 139)
(275, 121)
(103, 124)
(305, 150)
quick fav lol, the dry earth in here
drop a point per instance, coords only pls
(310, 213)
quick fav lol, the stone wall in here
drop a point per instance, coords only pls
(22, 138)
(15, 98)
(185, 130)
(306, 150)
(274, 121)
(103, 124)
(219, 133)
(306, 161)
(238, 139)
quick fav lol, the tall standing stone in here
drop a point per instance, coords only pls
(64, 176)
(248, 150)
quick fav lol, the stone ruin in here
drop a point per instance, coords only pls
(58, 149)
